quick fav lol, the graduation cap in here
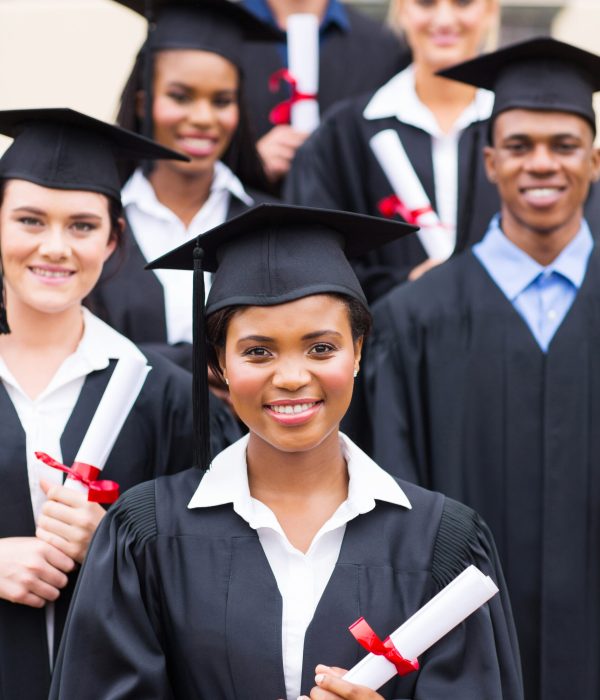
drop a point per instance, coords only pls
(540, 74)
(218, 26)
(271, 254)
(63, 149)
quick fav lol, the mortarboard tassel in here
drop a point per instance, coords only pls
(200, 389)
(4, 327)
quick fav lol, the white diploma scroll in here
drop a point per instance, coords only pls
(121, 392)
(459, 599)
(437, 240)
(303, 64)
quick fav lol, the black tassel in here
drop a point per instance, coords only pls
(200, 406)
(4, 327)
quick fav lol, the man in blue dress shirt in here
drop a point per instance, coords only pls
(357, 55)
(483, 377)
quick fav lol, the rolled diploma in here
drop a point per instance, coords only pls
(120, 394)
(398, 169)
(461, 597)
(303, 63)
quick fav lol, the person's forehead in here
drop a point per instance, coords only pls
(540, 122)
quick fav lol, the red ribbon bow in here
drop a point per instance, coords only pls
(282, 112)
(102, 491)
(366, 637)
(389, 206)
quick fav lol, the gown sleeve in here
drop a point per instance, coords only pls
(480, 658)
(111, 647)
(394, 392)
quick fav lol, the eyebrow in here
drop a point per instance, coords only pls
(528, 137)
(41, 212)
(307, 336)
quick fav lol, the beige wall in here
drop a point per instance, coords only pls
(66, 53)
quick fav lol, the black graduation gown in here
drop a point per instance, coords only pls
(464, 401)
(350, 63)
(155, 440)
(178, 603)
(131, 299)
(337, 169)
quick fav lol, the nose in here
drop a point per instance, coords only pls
(54, 244)
(443, 13)
(541, 160)
(291, 374)
(202, 113)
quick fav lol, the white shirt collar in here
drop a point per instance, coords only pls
(98, 345)
(138, 191)
(227, 482)
(398, 98)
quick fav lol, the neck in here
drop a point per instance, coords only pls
(282, 9)
(36, 330)
(184, 194)
(446, 99)
(275, 475)
(543, 246)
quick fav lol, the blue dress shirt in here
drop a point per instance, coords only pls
(542, 295)
(335, 17)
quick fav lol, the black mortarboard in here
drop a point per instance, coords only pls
(218, 26)
(272, 254)
(540, 74)
(63, 149)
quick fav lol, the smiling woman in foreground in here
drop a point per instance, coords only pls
(242, 581)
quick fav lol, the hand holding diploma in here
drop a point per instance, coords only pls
(72, 512)
(68, 520)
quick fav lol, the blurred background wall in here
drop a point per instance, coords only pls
(78, 53)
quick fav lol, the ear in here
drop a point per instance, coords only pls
(112, 241)
(221, 359)
(595, 164)
(140, 102)
(358, 346)
(489, 159)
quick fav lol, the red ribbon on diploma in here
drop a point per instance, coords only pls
(282, 112)
(99, 491)
(389, 206)
(366, 637)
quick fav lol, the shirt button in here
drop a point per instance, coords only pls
(551, 314)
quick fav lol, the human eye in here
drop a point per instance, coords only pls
(257, 352)
(566, 147)
(84, 226)
(224, 100)
(30, 221)
(516, 148)
(322, 349)
(178, 96)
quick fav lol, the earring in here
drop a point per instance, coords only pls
(226, 381)
(355, 373)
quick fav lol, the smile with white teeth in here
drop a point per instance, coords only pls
(51, 273)
(542, 192)
(292, 408)
(198, 142)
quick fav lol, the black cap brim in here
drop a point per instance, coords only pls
(361, 233)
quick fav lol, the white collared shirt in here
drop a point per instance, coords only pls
(398, 98)
(157, 230)
(45, 417)
(301, 578)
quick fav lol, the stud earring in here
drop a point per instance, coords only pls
(226, 381)
(355, 373)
